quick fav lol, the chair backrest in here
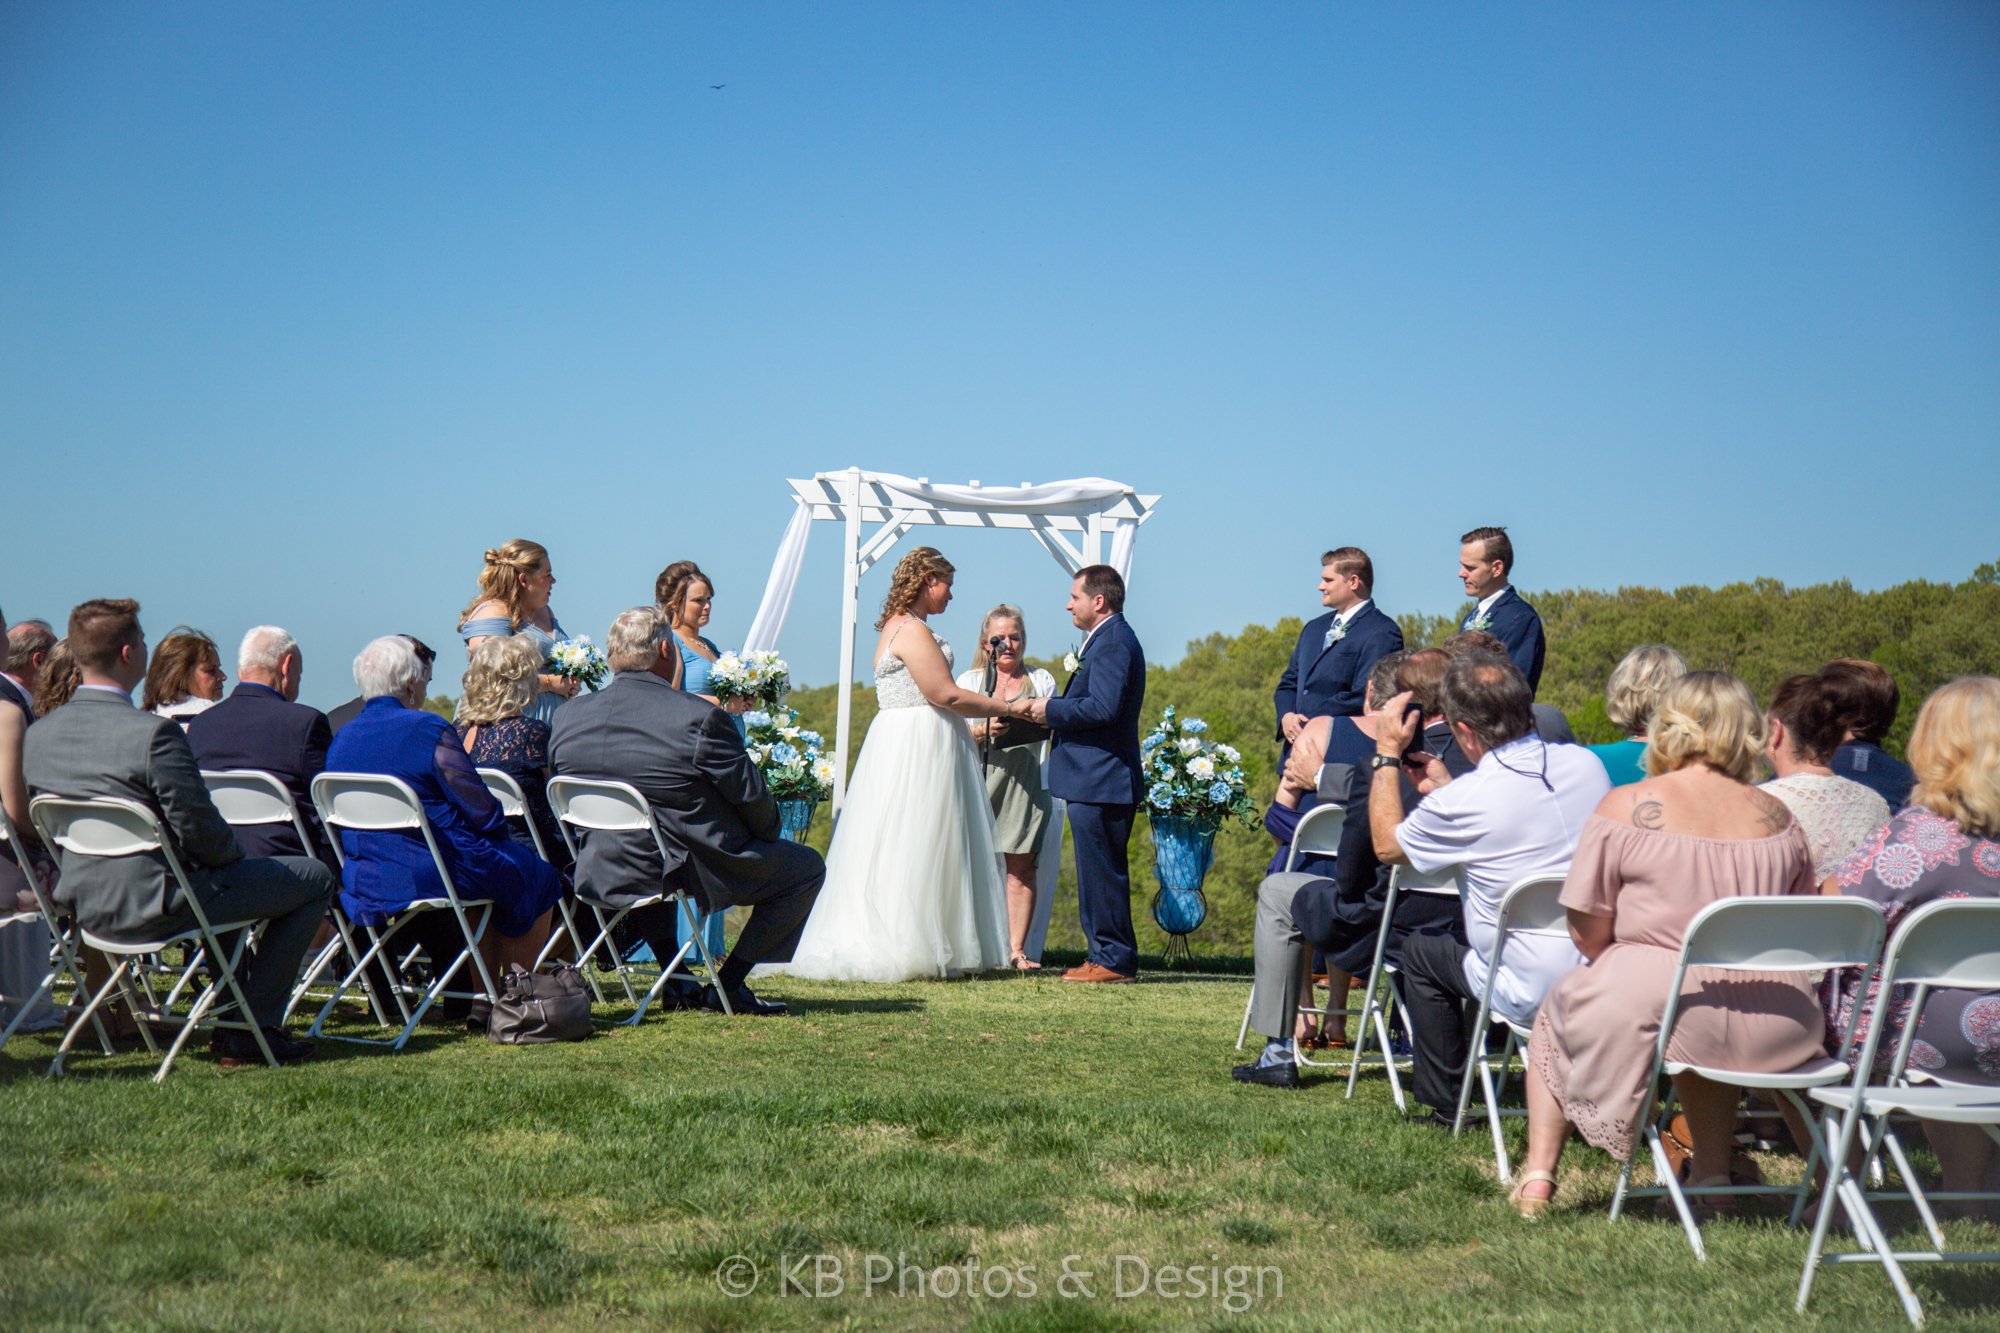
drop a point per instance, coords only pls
(110, 826)
(1800, 934)
(247, 796)
(1318, 834)
(1951, 942)
(1533, 906)
(367, 803)
(1403, 879)
(595, 803)
(513, 803)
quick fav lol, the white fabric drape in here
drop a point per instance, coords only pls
(784, 581)
(783, 584)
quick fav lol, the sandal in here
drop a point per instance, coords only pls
(1525, 1206)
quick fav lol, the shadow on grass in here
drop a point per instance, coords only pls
(810, 1007)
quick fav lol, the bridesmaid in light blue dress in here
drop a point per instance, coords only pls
(513, 599)
(687, 596)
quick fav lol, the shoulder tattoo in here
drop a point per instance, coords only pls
(1649, 814)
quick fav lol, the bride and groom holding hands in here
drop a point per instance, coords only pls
(913, 883)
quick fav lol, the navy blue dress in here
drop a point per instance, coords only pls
(385, 872)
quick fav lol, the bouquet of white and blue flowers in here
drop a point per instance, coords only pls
(1190, 776)
(761, 677)
(579, 660)
(791, 758)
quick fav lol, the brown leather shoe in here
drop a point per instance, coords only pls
(1094, 974)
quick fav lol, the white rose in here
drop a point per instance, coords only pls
(1188, 745)
(1202, 769)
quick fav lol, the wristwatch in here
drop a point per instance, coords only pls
(1379, 761)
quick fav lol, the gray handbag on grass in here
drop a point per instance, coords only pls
(536, 1007)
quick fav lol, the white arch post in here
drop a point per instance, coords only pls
(1070, 519)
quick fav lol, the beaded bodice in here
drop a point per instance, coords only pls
(893, 686)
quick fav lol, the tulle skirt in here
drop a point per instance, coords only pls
(913, 886)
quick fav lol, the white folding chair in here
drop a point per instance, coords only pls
(63, 963)
(1531, 907)
(112, 827)
(596, 805)
(375, 803)
(1951, 943)
(1802, 935)
(252, 798)
(1382, 993)
(1318, 834)
(514, 804)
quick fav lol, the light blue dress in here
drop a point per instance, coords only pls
(1624, 761)
(694, 679)
(499, 627)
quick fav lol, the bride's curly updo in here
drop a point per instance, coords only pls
(500, 579)
(913, 571)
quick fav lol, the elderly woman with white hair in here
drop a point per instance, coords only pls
(385, 872)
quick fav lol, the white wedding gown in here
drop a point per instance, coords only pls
(912, 882)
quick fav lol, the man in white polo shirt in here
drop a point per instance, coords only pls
(1517, 815)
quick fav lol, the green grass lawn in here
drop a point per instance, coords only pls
(1015, 1125)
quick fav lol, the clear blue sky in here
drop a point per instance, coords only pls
(303, 306)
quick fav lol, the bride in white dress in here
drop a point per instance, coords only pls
(912, 884)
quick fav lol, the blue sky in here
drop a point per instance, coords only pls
(301, 307)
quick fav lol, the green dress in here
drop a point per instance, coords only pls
(1014, 784)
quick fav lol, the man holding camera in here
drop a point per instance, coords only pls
(1518, 814)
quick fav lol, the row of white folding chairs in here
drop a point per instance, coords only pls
(64, 968)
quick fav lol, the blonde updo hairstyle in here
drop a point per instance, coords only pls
(1000, 612)
(500, 580)
(913, 571)
(1707, 717)
(500, 681)
(1636, 684)
(1955, 751)
(670, 590)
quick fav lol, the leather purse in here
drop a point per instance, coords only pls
(537, 1007)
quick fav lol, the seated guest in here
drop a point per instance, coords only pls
(385, 872)
(350, 710)
(186, 676)
(1865, 697)
(1516, 816)
(1334, 903)
(717, 816)
(25, 867)
(99, 745)
(1944, 844)
(60, 678)
(1328, 672)
(27, 648)
(262, 725)
(1550, 724)
(1653, 855)
(1629, 699)
(1801, 732)
(499, 685)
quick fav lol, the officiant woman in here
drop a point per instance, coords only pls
(1014, 774)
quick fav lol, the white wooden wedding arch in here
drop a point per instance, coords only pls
(1070, 519)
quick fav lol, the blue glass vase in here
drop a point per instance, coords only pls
(1182, 852)
(794, 816)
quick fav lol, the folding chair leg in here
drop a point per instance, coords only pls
(22, 1010)
(1912, 1186)
(1672, 1184)
(89, 1014)
(1370, 1015)
(1493, 1117)
(700, 946)
(1243, 1032)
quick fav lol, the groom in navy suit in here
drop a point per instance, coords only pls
(1485, 560)
(1328, 673)
(1094, 767)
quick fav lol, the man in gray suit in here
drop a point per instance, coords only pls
(98, 745)
(719, 822)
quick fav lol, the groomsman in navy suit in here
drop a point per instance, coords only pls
(1485, 559)
(1328, 673)
(1094, 767)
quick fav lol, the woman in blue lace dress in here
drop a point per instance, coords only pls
(513, 599)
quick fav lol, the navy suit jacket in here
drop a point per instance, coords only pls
(1325, 679)
(255, 727)
(1515, 624)
(1094, 723)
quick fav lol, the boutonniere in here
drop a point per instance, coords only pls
(1336, 634)
(1072, 660)
(1480, 623)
